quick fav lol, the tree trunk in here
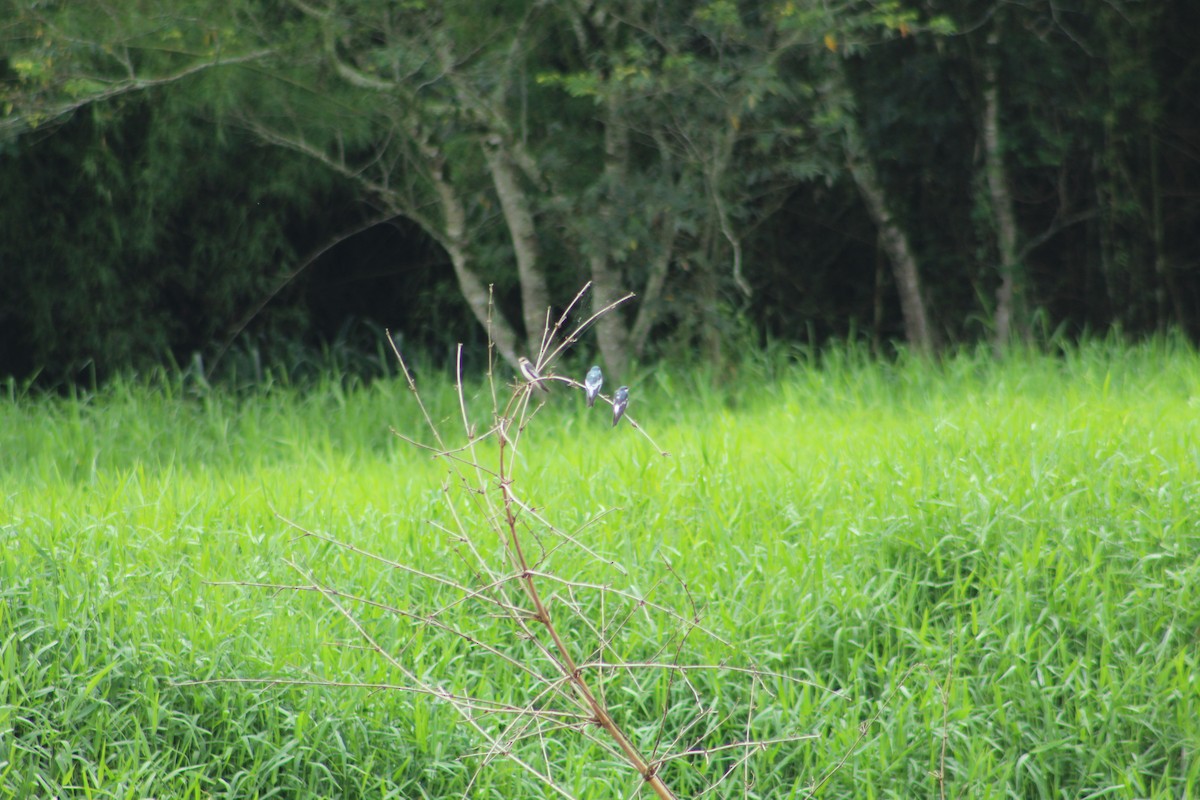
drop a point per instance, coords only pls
(649, 301)
(514, 202)
(454, 239)
(894, 242)
(1000, 199)
(891, 235)
(715, 176)
(612, 333)
(1167, 286)
(612, 336)
(706, 285)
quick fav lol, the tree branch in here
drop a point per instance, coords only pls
(1056, 225)
(19, 122)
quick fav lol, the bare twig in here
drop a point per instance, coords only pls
(510, 608)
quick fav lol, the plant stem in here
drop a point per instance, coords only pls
(565, 662)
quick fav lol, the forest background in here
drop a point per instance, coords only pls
(222, 183)
(952, 576)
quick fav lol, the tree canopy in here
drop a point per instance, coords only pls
(179, 174)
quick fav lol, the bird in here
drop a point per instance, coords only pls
(620, 400)
(530, 374)
(592, 384)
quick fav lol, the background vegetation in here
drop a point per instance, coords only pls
(253, 181)
(997, 558)
(993, 560)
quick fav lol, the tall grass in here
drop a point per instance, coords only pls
(997, 563)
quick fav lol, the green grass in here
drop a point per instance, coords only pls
(1001, 559)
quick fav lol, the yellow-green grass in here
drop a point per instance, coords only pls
(997, 563)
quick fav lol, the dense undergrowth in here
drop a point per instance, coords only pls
(997, 564)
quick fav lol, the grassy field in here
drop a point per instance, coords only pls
(996, 565)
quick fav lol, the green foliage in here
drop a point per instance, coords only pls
(994, 558)
(139, 222)
(175, 232)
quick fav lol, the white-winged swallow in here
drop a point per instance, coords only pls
(592, 384)
(620, 400)
(530, 374)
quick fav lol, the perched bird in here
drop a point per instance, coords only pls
(592, 384)
(620, 400)
(530, 374)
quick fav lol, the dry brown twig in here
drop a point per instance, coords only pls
(558, 632)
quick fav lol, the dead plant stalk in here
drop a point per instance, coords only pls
(565, 662)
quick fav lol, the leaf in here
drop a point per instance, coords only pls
(82, 87)
(99, 676)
